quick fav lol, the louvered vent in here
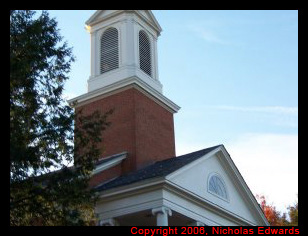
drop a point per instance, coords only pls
(109, 50)
(145, 53)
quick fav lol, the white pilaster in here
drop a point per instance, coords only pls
(155, 69)
(162, 214)
(93, 59)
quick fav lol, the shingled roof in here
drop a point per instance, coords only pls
(158, 169)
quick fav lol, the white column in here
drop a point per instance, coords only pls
(108, 222)
(162, 214)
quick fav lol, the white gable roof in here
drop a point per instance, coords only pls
(145, 15)
(194, 179)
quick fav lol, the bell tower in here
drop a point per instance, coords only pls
(124, 77)
(123, 46)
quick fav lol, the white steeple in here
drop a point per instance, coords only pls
(124, 49)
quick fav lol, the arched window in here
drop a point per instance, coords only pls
(109, 50)
(145, 53)
(217, 186)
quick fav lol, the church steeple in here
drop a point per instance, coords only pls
(124, 77)
(123, 48)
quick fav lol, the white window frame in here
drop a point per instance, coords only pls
(224, 186)
(100, 50)
(151, 52)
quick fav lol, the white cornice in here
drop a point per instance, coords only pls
(122, 84)
(133, 189)
(92, 21)
(163, 184)
(196, 199)
(233, 172)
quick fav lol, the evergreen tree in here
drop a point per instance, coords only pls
(45, 187)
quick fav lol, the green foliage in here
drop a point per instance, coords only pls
(42, 134)
(293, 214)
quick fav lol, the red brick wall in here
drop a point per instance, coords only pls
(154, 131)
(139, 126)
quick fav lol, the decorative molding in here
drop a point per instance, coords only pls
(162, 210)
(136, 83)
(204, 203)
(227, 199)
(92, 21)
(162, 214)
(163, 184)
(154, 24)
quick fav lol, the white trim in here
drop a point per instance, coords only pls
(152, 75)
(189, 165)
(100, 35)
(93, 21)
(204, 203)
(162, 184)
(153, 183)
(122, 83)
(234, 174)
(155, 25)
(227, 199)
(238, 179)
(113, 162)
(167, 184)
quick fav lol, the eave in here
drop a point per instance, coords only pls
(126, 84)
(163, 184)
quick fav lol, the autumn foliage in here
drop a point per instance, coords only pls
(274, 217)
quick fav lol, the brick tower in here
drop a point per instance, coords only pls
(124, 77)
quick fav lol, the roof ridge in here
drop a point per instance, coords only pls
(191, 153)
(157, 169)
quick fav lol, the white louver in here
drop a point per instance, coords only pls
(145, 53)
(109, 50)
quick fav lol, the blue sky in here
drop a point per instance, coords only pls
(235, 76)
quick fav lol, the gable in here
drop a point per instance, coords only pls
(100, 15)
(146, 15)
(158, 169)
(194, 178)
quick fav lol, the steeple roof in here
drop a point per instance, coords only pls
(145, 15)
